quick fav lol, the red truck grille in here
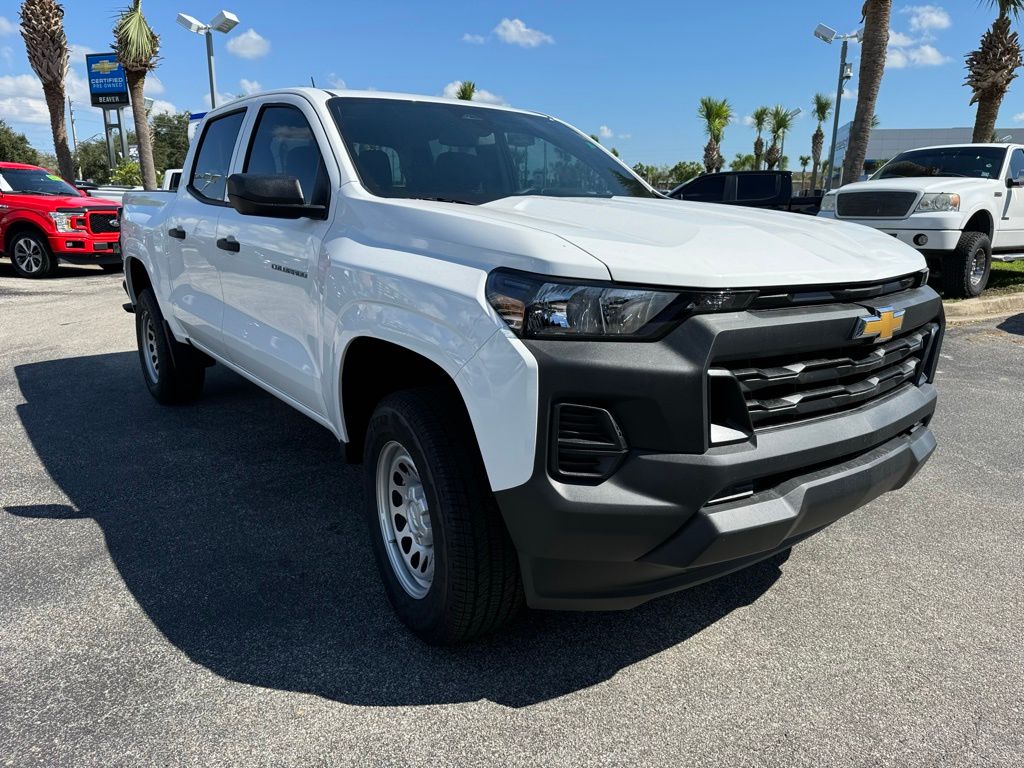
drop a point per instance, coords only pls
(104, 223)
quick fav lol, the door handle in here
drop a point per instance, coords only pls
(177, 233)
(229, 244)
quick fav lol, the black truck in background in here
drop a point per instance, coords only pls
(751, 189)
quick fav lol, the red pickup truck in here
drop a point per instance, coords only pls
(45, 220)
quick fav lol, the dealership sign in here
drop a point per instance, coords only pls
(108, 85)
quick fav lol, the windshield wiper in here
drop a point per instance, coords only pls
(440, 200)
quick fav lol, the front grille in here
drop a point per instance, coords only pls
(588, 444)
(874, 205)
(103, 223)
(784, 390)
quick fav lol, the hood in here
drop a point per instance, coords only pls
(55, 202)
(706, 245)
(921, 184)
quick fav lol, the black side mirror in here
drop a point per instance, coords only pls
(1012, 182)
(276, 196)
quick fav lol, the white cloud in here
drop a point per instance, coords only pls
(484, 97)
(1019, 118)
(222, 98)
(849, 93)
(921, 56)
(154, 86)
(77, 53)
(249, 45)
(21, 109)
(335, 81)
(900, 40)
(162, 107)
(925, 18)
(21, 97)
(748, 119)
(605, 132)
(7, 54)
(474, 39)
(625, 136)
(515, 32)
(250, 87)
(7, 27)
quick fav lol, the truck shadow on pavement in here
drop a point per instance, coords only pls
(238, 530)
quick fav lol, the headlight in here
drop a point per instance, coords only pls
(938, 202)
(535, 306)
(828, 202)
(62, 221)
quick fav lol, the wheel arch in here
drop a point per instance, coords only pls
(136, 277)
(21, 226)
(981, 221)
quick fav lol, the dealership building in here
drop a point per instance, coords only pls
(886, 143)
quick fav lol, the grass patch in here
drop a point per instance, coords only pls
(1006, 275)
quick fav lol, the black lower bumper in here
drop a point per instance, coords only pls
(98, 257)
(676, 510)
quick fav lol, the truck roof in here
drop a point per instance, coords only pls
(1000, 144)
(320, 95)
(21, 166)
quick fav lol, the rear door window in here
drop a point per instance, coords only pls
(705, 189)
(751, 187)
(210, 171)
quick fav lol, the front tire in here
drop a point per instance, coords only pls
(31, 256)
(174, 373)
(965, 271)
(449, 568)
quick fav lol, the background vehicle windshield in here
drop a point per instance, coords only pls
(970, 162)
(471, 154)
(35, 180)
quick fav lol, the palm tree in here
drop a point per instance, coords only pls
(742, 162)
(780, 121)
(42, 27)
(876, 15)
(991, 68)
(822, 110)
(137, 46)
(760, 118)
(716, 114)
(466, 90)
(805, 160)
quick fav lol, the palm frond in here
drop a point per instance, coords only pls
(135, 42)
(822, 107)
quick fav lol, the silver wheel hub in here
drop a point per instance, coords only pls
(150, 355)
(404, 517)
(978, 268)
(28, 255)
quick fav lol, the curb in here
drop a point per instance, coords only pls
(972, 310)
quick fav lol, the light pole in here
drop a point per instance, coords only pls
(224, 22)
(827, 34)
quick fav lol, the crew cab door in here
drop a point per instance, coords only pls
(270, 266)
(1010, 232)
(190, 233)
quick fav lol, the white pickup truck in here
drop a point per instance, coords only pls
(565, 389)
(960, 205)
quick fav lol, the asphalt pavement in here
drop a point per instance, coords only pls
(194, 586)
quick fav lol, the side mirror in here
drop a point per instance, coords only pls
(1012, 182)
(279, 197)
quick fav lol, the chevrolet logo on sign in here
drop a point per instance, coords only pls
(104, 67)
(880, 327)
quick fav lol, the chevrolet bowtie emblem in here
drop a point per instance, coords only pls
(880, 327)
(104, 67)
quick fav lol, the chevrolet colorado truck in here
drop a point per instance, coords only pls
(44, 220)
(770, 190)
(565, 389)
(960, 205)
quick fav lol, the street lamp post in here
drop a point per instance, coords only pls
(827, 34)
(224, 22)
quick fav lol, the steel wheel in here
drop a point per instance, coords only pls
(405, 520)
(28, 255)
(150, 355)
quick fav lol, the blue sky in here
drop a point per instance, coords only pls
(631, 72)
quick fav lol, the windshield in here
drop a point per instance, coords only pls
(969, 162)
(35, 181)
(464, 154)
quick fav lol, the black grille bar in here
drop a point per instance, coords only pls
(103, 223)
(781, 390)
(872, 205)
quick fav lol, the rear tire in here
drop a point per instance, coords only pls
(31, 256)
(965, 271)
(449, 568)
(173, 372)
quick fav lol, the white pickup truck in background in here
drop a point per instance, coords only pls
(565, 389)
(960, 205)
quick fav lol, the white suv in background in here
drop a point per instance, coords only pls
(960, 205)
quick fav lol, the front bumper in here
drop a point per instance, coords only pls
(941, 229)
(86, 248)
(662, 521)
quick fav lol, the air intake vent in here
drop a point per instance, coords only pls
(588, 444)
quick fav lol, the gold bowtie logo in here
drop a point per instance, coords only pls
(880, 327)
(104, 66)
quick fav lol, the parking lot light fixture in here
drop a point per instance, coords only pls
(223, 22)
(826, 34)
